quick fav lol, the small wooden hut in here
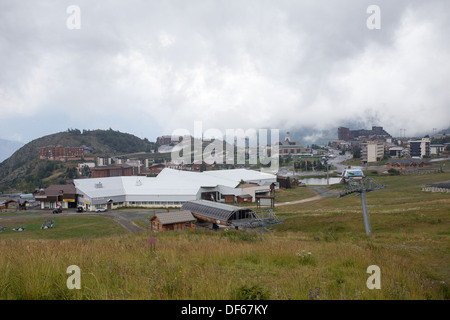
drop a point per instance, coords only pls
(174, 220)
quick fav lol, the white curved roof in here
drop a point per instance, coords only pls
(109, 186)
(168, 182)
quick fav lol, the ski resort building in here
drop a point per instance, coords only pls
(171, 188)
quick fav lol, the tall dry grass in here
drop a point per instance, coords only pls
(207, 265)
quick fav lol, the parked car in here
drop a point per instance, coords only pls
(101, 210)
(57, 210)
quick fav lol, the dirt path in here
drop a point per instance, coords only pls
(322, 192)
(318, 197)
(127, 224)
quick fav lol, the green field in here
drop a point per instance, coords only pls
(410, 243)
(286, 195)
(64, 228)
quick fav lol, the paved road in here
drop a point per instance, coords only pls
(337, 162)
(334, 161)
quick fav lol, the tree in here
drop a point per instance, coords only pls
(86, 171)
(74, 131)
(71, 173)
(320, 166)
(357, 152)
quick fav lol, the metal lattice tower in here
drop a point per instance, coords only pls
(362, 186)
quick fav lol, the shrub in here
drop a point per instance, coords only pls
(251, 293)
(445, 290)
(392, 171)
(331, 233)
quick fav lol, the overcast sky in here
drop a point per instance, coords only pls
(149, 67)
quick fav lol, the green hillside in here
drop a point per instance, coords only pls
(24, 171)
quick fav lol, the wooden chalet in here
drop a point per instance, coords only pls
(284, 182)
(228, 198)
(13, 204)
(244, 198)
(174, 220)
(406, 163)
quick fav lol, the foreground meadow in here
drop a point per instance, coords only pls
(321, 251)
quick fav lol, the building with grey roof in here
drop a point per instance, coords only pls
(173, 220)
(171, 188)
(217, 213)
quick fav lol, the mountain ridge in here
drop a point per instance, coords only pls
(23, 170)
(8, 147)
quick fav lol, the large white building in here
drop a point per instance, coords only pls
(170, 188)
(419, 148)
(371, 151)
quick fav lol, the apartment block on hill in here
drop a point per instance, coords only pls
(117, 170)
(61, 153)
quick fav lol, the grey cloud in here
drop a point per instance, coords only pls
(232, 64)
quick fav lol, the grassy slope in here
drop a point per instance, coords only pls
(64, 228)
(286, 195)
(410, 243)
(406, 222)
